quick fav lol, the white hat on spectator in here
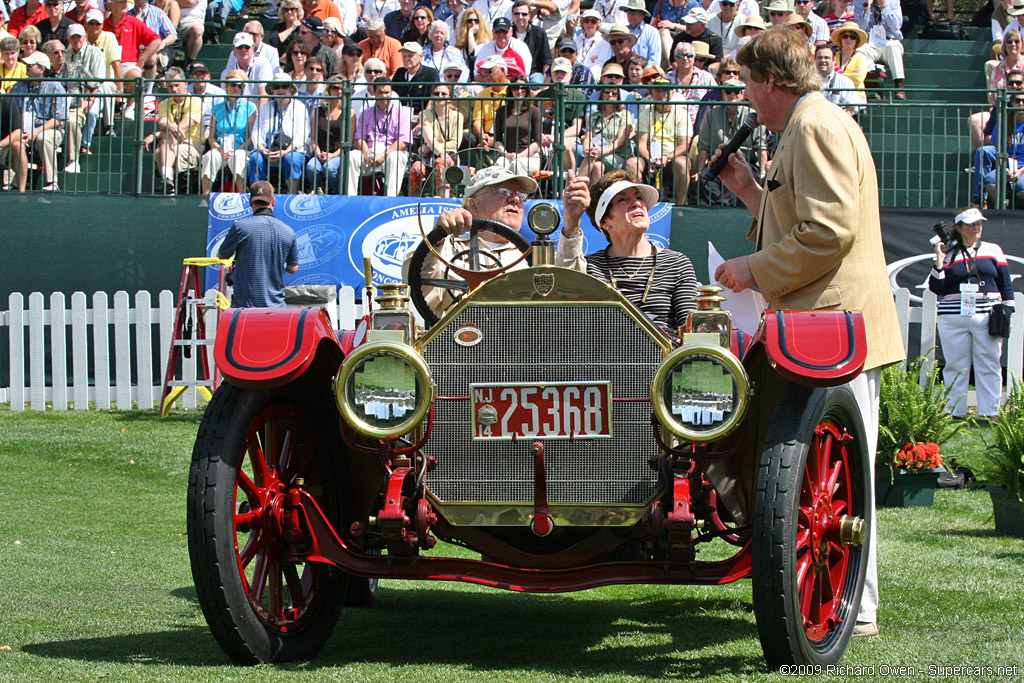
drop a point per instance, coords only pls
(752, 21)
(561, 64)
(620, 32)
(779, 6)
(242, 38)
(493, 62)
(413, 47)
(971, 215)
(281, 78)
(636, 6)
(647, 193)
(1017, 9)
(94, 15)
(76, 30)
(496, 175)
(696, 15)
(38, 59)
(591, 14)
(333, 24)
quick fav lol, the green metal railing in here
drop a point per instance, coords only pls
(922, 150)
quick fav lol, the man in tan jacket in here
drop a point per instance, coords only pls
(816, 227)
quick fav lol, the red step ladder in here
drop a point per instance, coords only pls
(189, 333)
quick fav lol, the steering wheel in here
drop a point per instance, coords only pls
(465, 265)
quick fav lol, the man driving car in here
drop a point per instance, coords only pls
(496, 194)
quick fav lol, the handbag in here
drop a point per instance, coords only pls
(941, 29)
(999, 321)
(280, 142)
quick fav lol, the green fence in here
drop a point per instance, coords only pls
(923, 151)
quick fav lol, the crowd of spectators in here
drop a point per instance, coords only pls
(658, 86)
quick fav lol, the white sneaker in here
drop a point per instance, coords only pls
(73, 167)
(129, 113)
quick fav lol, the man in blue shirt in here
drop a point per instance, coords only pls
(985, 157)
(648, 42)
(264, 249)
(882, 20)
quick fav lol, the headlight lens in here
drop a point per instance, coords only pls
(384, 389)
(700, 392)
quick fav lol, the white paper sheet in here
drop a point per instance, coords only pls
(746, 306)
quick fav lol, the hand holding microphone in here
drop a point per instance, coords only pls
(737, 140)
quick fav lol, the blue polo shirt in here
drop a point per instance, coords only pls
(262, 246)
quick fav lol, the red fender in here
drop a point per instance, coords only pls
(815, 348)
(268, 347)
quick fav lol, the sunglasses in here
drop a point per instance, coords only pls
(232, 84)
(290, 9)
(374, 71)
(802, 2)
(472, 20)
(1015, 84)
(735, 72)
(298, 52)
(315, 69)
(59, 52)
(520, 14)
(517, 86)
(686, 55)
(618, 41)
(508, 194)
(848, 36)
(243, 47)
(422, 17)
(778, 14)
(1012, 41)
(591, 19)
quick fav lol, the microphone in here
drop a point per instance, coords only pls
(748, 126)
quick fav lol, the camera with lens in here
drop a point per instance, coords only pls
(458, 175)
(942, 235)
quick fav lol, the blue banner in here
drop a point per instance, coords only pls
(335, 232)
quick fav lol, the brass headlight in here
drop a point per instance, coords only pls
(700, 392)
(384, 389)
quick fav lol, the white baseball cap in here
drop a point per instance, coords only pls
(242, 39)
(94, 15)
(561, 64)
(496, 175)
(647, 193)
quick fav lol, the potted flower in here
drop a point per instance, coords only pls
(1002, 468)
(912, 426)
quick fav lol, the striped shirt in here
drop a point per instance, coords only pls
(667, 299)
(984, 264)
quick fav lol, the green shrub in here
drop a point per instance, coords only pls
(910, 413)
(1003, 463)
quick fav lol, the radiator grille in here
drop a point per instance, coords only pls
(552, 343)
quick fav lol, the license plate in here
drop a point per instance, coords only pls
(550, 410)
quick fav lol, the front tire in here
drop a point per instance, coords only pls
(807, 584)
(253, 446)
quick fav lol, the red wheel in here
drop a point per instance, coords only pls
(252, 448)
(811, 514)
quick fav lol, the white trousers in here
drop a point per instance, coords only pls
(394, 171)
(528, 165)
(891, 53)
(866, 387)
(213, 162)
(965, 342)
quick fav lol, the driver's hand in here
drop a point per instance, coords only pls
(455, 222)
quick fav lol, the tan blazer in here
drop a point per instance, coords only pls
(818, 235)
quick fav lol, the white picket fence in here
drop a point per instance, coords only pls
(132, 377)
(117, 343)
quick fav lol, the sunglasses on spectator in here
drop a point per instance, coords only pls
(735, 72)
(290, 9)
(299, 52)
(233, 84)
(243, 47)
(778, 14)
(27, 41)
(517, 86)
(315, 69)
(686, 55)
(726, 2)
(334, 88)
(507, 194)
(472, 20)
(851, 36)
(58, 52)
(802, 2)
(420, 17)
(53, 4)
(520, 14)
(1014, 84)
(590, 19)
(1012, 41)
(374, 71)
(618, 41)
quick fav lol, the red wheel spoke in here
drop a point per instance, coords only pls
(805, 589)
(276, 595)
(802, 566)
(247, 485)
(245, 519)
(258, 459)
(252, 546)
(284, 461)
(803, 539)
(295, 589)
(833, 477)
(838, 507)
(259, 579)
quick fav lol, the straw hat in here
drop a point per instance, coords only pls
(702, 50)
(753, 21)
(801, 23)
(850, 27)
(620, 32)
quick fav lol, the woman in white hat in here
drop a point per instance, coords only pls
(970, 279)
(854, 65)
(660, 282)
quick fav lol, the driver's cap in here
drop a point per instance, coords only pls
(496, 175)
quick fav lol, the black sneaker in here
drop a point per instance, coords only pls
(110, 132)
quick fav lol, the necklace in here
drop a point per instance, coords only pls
(623, 270)
(650, 278)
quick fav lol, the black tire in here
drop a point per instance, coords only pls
(362, 591)
(290, 611)
(809, 619)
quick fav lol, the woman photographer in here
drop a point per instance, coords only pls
(970, 278)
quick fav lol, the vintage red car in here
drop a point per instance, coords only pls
(546, 424)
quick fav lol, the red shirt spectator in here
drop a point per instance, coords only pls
(29, 14)
(131, 33)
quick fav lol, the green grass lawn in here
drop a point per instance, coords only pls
(97, 586)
